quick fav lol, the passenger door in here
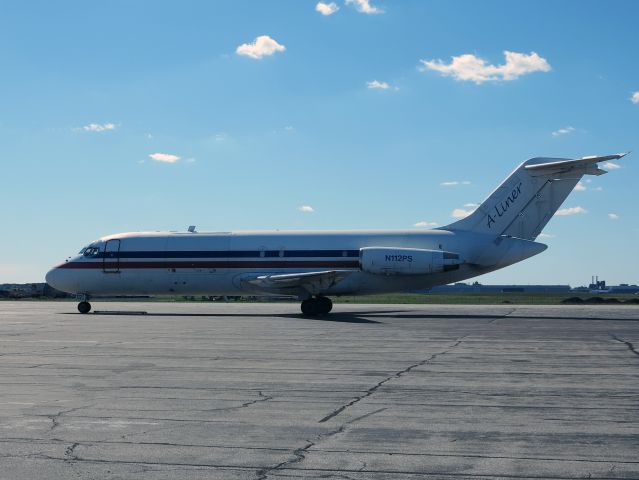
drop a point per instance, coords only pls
(111, 258)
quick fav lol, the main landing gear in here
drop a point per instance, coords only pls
(316, 306)
(84, 306)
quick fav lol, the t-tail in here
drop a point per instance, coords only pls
(526, 201)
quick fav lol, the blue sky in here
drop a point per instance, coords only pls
(90, 90)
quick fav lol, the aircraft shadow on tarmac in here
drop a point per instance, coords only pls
(358, 317)
(340, 317)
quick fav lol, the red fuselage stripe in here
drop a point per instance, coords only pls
(214, 264)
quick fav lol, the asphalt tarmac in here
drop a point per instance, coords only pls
(254, 391)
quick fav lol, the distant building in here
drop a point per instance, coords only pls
(599, 286)
(30, 290)
(22, 290)
(477, 287)
(624, 288)
(596, 286)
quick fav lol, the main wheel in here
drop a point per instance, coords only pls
(309, 307)
(84, 307)
(324, 305)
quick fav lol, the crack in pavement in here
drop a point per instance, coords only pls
(176, 465)
(378, 385)
(56, 417)
(505, 315)
(545, 458)
(263, 398)
(300, 453)
(630, 346)
(69, 454)
(341, 476)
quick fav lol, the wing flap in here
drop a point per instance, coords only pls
(312, 283)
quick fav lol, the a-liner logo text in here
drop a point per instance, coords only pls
(502, 207)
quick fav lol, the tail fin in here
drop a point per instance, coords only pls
(524, 203)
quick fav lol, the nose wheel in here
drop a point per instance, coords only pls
(316, 306)
(84, 307)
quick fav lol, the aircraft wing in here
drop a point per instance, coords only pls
(312, 283)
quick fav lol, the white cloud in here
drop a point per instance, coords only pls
(471, 205)
(364, 6)
(611, 166)
(563, 131)
(262, 46)
(469, 67)
(97, 127)
(378, 85)
(289, 128)
(306, 209)
(581, 186)
(546, 235)
(564, 212)
(635, 97)
(454, 183)
(164, 157)
(326, 8)
(461, 213)
(613, 216)
(424, 223)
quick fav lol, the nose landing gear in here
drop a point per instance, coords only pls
(84, 306)
(316, 306)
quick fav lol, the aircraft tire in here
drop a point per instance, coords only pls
(84, 307)
(324, 305)
(309, 307)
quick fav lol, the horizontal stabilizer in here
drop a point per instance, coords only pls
(581, 166)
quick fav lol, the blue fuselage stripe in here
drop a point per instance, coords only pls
(232, 254)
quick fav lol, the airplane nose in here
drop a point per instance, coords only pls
(55, 278)
(50, 277)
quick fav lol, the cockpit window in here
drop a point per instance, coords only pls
(90, 251)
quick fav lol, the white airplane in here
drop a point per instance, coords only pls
(313, 265)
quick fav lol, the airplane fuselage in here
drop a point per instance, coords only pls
(169, 263)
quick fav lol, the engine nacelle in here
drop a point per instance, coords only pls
(406, 261)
